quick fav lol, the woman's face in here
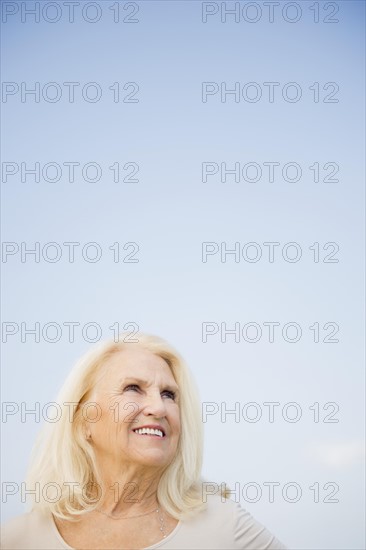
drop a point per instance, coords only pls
(136, 389)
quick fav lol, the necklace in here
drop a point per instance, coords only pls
(157, 510)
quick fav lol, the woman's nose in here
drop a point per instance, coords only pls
(154, 405)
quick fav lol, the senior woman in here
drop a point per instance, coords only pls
(121, 469)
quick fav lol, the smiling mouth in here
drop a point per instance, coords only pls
(150, 432)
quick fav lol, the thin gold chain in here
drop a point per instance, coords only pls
(126, 517)
(157, 510)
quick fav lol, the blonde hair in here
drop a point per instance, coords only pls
(62, 456)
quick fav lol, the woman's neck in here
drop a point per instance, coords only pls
(130, 493)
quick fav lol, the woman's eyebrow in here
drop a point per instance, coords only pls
(143, 383)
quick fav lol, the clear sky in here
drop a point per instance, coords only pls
(162, 136)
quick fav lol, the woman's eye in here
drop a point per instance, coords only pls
(171, 394)
(135, 387)
(132, 386)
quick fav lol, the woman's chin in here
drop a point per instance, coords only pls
(153, 457)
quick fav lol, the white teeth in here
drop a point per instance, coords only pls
(149, 431)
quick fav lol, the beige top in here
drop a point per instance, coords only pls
(223, 525)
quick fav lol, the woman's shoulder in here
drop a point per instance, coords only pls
(13, 528)
(226, 524)
(32, 530)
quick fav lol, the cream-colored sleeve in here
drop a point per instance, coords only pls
(30, 531)
(249, 534)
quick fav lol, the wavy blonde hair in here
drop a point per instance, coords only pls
(64, 457)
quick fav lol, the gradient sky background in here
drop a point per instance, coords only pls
(170, 212)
